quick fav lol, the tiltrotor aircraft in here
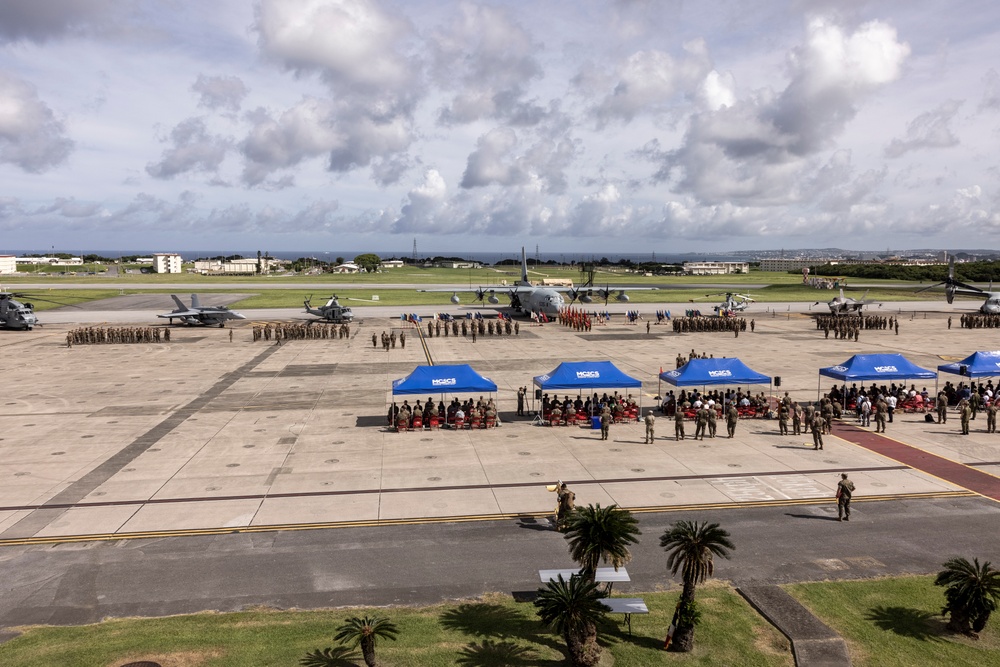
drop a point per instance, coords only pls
(198, 314)
(526, 298)
(14, 314)
(954, 287)
(331, 312)
(734, 303)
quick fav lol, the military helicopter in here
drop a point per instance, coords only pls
(199, 314)
(954, 287)
(331, 312)
(16, 315)
(734, 303)
(842, 305)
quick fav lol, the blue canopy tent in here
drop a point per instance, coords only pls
(701, 372)
(457, 379)
(724, 371)
(587, 375)
(876, 367)
(977, 365)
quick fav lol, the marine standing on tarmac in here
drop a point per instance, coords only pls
(817, 430)
(796, 419)
(374, 340)
(845, 489)
(521, 391)
(649, 425)
(732, 416)
(605, 423)
(402, 339)
(966, 415)
(711, 421)
(701, 421)
(783, 419)
(942, 407)
(991, 417)
(881, 408)
(679, 423)
(566, 503)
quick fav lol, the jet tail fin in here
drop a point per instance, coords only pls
(180, 304)
(195, 302)
(524, 268)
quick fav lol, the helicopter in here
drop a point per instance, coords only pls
(14, 314)
(954, 287)
(331, 312)
(734, 303)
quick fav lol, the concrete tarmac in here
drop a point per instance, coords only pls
(202, 437)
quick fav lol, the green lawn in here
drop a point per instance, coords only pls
(491, 631)
(896, 623)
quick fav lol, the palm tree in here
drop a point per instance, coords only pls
(363, 632)
(573, 608)
(600, 534)
(690, 548)
(972, 594)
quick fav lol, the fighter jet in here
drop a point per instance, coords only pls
(331, 312)
(198, 314)
(954, 287)
(526, 299)
(842, 305)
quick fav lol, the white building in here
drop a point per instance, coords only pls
(8, 264)
(346, 267)
(53, 261)
(715, 268)
(392, 264)
(246, 266)
(166, 262)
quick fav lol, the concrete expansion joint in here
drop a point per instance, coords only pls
(814, 644)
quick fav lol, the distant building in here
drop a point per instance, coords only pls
(8, 264)
(450, 264)
(715, 268)
(166, 262)
(347, 267)
(392, 264)
(52, 261)
(790, 264)
(235, 267)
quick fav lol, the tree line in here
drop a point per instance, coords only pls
(967, 272)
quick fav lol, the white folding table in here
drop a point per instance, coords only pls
(626, 606)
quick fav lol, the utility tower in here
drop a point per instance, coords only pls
(414, 250)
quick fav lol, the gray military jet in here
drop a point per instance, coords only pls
(843, 305)
(331, 312)
(198, 314)
(16, 315)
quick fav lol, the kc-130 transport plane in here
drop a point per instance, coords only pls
(526, 298)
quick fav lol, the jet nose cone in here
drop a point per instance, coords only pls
(238, 316)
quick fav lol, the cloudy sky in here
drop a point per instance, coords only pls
(580, 126)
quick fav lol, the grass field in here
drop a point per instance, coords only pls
(896, 623)
(491, 631)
